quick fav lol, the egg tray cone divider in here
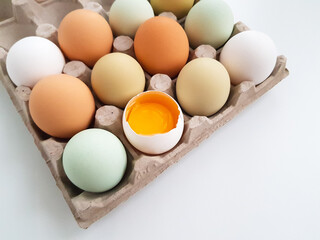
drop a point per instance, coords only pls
(142, 169)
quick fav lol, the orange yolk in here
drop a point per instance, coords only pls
(152, 113)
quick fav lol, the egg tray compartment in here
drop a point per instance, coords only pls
(142, 169)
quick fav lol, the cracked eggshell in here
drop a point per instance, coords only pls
(157, 143)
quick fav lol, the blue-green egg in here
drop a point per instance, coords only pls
(209, 22)
(94, 160)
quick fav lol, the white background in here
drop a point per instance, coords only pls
(258, 177)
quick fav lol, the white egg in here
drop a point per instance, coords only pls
(150, 119)
(33, 58)
(249, 56)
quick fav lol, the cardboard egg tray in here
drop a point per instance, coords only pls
(21, 18)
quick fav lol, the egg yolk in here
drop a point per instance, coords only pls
(152, 113)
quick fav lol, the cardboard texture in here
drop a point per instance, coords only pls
(42, 19)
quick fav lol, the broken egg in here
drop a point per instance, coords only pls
(153, 122)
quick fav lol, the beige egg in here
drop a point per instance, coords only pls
(203, 87)
(116, 78)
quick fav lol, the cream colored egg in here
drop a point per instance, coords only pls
(127, 15)
(153, 122)
(203, 87)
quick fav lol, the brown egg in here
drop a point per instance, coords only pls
(61, 105)
(161, 46)
(85, 36)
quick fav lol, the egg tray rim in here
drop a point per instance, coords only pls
(199, 128)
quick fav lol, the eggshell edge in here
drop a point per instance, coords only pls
(158, 143)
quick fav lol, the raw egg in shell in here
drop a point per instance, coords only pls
(153, 122)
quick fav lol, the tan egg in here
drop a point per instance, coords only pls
(61, 105)
(203, 87)
(116, 78)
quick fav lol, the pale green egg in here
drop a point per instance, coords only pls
(209, 22)
(94, 160)
(127, 15)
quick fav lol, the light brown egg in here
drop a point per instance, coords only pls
(61, 105)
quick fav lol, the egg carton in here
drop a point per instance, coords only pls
(41, 18)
